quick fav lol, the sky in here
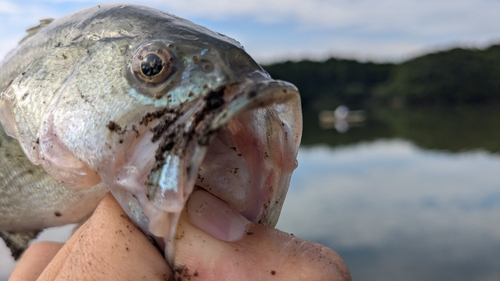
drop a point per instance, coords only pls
(276, 30)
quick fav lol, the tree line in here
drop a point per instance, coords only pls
(447, 78)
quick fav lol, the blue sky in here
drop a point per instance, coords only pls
(270, 30)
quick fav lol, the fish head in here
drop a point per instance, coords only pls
(156, 106)
(225, 126)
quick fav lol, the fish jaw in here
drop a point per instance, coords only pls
(239, 142)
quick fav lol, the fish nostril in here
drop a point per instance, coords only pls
(207, 66)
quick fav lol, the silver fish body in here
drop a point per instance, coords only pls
(147, 105)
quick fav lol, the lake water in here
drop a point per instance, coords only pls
(410, 195)
(394, 211)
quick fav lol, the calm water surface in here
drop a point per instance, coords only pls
(394, 211)
(411, 195)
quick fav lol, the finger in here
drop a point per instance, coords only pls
(108, 247)
(231, 248)
(35, 260)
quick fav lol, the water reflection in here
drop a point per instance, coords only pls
(450, 129)
(341, 119)
(396, 212)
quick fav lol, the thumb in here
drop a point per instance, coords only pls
(215, 242)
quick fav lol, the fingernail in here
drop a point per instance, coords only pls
(215, 217)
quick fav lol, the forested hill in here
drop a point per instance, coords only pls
(448, 78)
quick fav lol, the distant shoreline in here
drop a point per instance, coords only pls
(455, 77)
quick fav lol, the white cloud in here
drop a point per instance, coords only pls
(410, 15)
(374, 30)
(8, 8)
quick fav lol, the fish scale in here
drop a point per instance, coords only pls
(31, 200)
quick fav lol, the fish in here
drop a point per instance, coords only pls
(146, 105)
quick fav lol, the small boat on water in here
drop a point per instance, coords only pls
(341, 118)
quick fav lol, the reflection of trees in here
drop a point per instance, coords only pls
(450, 129)
(452, 80)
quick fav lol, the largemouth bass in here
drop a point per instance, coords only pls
(144, 104)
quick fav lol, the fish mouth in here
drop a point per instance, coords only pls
(238, 143)
(249, 162)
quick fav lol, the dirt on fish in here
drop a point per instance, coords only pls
(181, 273)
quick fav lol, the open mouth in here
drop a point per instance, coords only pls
(249, 163)
(238, 143)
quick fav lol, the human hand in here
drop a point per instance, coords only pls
(110, 247)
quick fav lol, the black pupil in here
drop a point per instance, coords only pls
(151, 65)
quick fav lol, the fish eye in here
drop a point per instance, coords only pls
(152, 64)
